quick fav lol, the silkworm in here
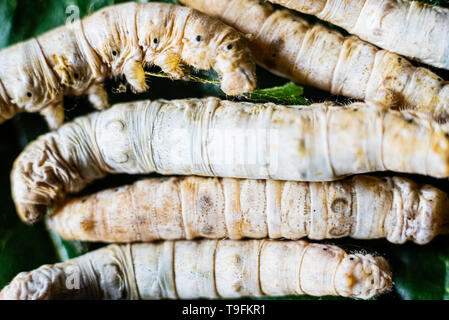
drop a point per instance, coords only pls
(361, 207)
(213, 137)
(410, 28)
(206, 269)
(315, 55)
(119, 40)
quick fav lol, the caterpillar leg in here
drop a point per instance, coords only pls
(54, 115)
(98, 97)
(170, 63)
(135, 75)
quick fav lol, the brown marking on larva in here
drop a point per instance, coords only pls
(87, 224)
(205, 203)
(188, 185)
(339, 205)
(237, 287)
(395, 99)
(349, 52)
(387, 7)
(277, 45)
(269, 63)
(398, 101)
(337, 232)
(207, 230)
(421, 4)
(302, 149)
(105, 14)
(139, 220)
(237, 259)
(350, 280)
(255, 110)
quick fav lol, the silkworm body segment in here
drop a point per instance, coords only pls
(207, 269)
(316, 55)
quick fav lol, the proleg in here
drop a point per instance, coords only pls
(206, 269)
(119, 40)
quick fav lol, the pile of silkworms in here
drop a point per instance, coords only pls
(246, 182)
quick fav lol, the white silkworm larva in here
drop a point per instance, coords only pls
(361, 207)
(206, 269)
(120, 39)
(213, 137)
(321, 57)
(410, 28)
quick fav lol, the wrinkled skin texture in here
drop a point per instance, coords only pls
(361, 207)
(388, 24)
(119, 40)
(316, 55)
(207, 269)
(101, 274)
(213, 137)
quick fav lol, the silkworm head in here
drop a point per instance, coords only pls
(30, 202)
(111, 33)
(115, 55)
(235, 63)
(362, 276)
(31, 213)
(37, 178)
